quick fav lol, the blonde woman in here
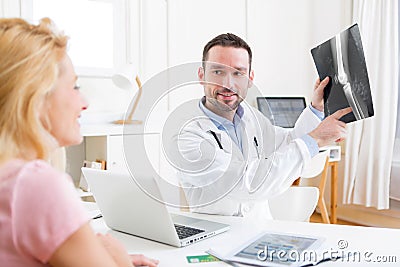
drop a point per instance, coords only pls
(42, 221)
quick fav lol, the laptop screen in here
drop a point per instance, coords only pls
(281, 111)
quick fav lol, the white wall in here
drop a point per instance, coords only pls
(169, 32)
(282, 34)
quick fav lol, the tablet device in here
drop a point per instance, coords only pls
(277, 249)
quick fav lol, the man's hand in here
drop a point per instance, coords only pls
(331, 129)
(317, 100)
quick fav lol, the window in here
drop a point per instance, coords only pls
(96, 29)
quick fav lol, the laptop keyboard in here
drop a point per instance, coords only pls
(185, 231)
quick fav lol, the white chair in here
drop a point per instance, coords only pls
(298, 202)
(316, 166)
(295, 204)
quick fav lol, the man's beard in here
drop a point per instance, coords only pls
(223, 106)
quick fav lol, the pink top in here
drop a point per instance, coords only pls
(39, 210)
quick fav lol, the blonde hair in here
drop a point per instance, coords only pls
(29, 68)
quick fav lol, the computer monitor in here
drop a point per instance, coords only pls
(281, 111)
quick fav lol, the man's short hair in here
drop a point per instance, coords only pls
(227, 40)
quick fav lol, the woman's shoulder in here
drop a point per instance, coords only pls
(18, 165)
(30, 174)
(26, 182)
(38, 166)
(34, 168)
(13, 169)
(41, 172)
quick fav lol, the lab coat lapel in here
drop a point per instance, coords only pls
(250, 129)
(208, 127)
(245, 140)
(227, 144)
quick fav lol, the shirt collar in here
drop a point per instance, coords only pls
(218, 120)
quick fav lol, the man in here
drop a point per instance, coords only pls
(230, 158)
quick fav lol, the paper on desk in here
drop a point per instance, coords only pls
(239, 264)
(275, 249)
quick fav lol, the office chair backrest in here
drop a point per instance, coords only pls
(316, 165)
(298, 202)
(295, 204)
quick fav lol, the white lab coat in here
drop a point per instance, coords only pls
(226, 181)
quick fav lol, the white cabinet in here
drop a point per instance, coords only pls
(136, 151)
(115, 153)
(109, 142)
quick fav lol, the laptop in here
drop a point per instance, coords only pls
(127, 208)
(281, 111)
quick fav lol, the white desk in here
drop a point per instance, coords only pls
(378, 241)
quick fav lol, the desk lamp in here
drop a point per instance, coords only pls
(123, 78)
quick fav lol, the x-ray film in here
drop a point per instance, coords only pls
(342, 59)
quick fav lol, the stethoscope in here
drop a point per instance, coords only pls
(255, 142)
